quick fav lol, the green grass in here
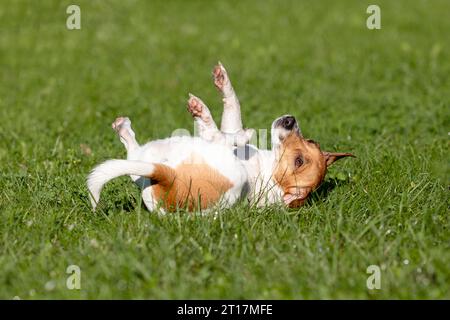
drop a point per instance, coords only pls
(381, 94)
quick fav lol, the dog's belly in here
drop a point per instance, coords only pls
(191, 173)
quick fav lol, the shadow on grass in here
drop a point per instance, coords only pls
(325, 189)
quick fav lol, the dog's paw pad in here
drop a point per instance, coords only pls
(197, 108)
(194, 107)
(220, 76)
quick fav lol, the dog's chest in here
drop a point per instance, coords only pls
(259, 166)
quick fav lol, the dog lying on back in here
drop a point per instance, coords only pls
(218, 168)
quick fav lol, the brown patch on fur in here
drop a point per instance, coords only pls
(297, 181)
(191, 185)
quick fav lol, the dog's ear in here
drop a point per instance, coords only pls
(331, 157)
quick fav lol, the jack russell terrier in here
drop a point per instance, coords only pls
(219, 167)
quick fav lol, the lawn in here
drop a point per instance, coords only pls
(381, 94)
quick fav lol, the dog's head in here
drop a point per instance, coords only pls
(300, 163)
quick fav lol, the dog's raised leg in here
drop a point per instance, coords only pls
(231, 116)
(122, 126)
(206, 126)
(231, 124)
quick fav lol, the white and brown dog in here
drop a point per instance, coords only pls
(219, 167)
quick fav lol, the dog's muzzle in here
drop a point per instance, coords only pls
(282, 127)
(286, 122)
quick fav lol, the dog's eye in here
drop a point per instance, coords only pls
(298, 162)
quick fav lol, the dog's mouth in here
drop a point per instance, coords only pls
(295, 194)
(294, 200)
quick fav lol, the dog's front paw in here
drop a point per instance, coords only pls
(198, 109)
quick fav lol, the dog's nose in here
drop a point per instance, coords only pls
(288, 122)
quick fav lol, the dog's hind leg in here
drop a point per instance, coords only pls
(122, 126)
(231, 124)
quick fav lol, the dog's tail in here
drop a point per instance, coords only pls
(111, 169)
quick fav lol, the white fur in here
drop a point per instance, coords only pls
(259, 164)
(170, 152)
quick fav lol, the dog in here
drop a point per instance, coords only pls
(220, 167)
